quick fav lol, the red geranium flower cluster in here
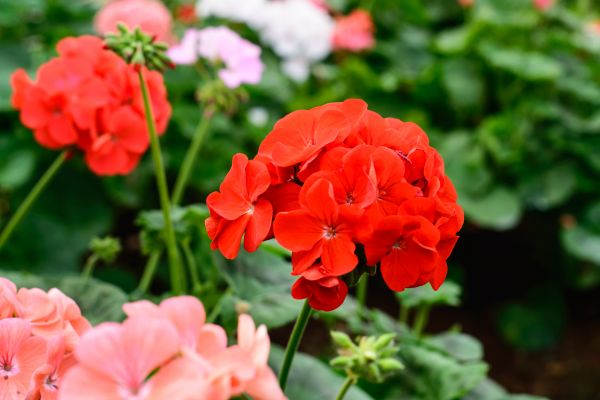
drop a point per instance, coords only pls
(342, 188)
(89, 98)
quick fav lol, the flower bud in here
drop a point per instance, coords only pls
(105, 249)
(138, 48)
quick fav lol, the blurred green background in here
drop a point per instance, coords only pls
(510, 96)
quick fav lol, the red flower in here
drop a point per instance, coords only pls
(406, 247)
(118, 147)
(90, 98)
(237, 210)
(324, 293)
(336, 172)
(321, 228)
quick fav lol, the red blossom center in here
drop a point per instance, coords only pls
(329, 232)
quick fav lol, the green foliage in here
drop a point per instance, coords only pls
(312, 379)
(260, 282)
(448, 294)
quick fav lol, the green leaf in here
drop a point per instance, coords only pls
(460, 346)
(500, 209)
(16, 167)
(454, 41)
(528, 65)
(582, 243)
(448, 295)
(464, 84)
(550, 188)
(263, 280)
(311, 379)
(431, 375)
(186, 222)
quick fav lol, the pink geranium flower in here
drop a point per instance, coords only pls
(20, 355)
(187, 315)
(354, 32)
(151, 16)
(241, 58)
(51, 314)
(46, 379)
(543, 5)
(120, 358)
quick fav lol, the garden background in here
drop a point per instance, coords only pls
(509, 95)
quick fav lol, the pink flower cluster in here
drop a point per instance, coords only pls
(38, 332)
(240, 57)
(169, 352)
(354, 32)
(49, 351)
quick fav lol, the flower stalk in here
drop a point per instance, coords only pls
(294, 343)
(32, 197)
(161, 181)
(345, 387)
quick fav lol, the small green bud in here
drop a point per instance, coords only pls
(342, 340)
(390, 365)
(105, 249)
(138, 48)
(384, 341)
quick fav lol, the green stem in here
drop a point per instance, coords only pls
(421, 320)
(191, 155)
(344, 389)
(361, 292)
(192, 265)
(88, 269)
(293, 343)
(161, 181)
(403, 317)
(149, 271)
(32, 197)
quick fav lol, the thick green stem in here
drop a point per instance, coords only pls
(421, 320)
(161, 181)
(190, 157)
(192, 265)
(345, 387)
(293, 343)
(90, 264)
(180, 185)
(32, 197)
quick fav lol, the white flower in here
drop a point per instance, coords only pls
(298, 31)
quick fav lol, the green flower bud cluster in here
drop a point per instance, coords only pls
(216, 95)
(138, 48)
(372, 358)
(105, 249)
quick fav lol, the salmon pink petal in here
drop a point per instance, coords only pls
(265, 386)
(212, 341)
(187, 315)
(130, 349)
(76, 385)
